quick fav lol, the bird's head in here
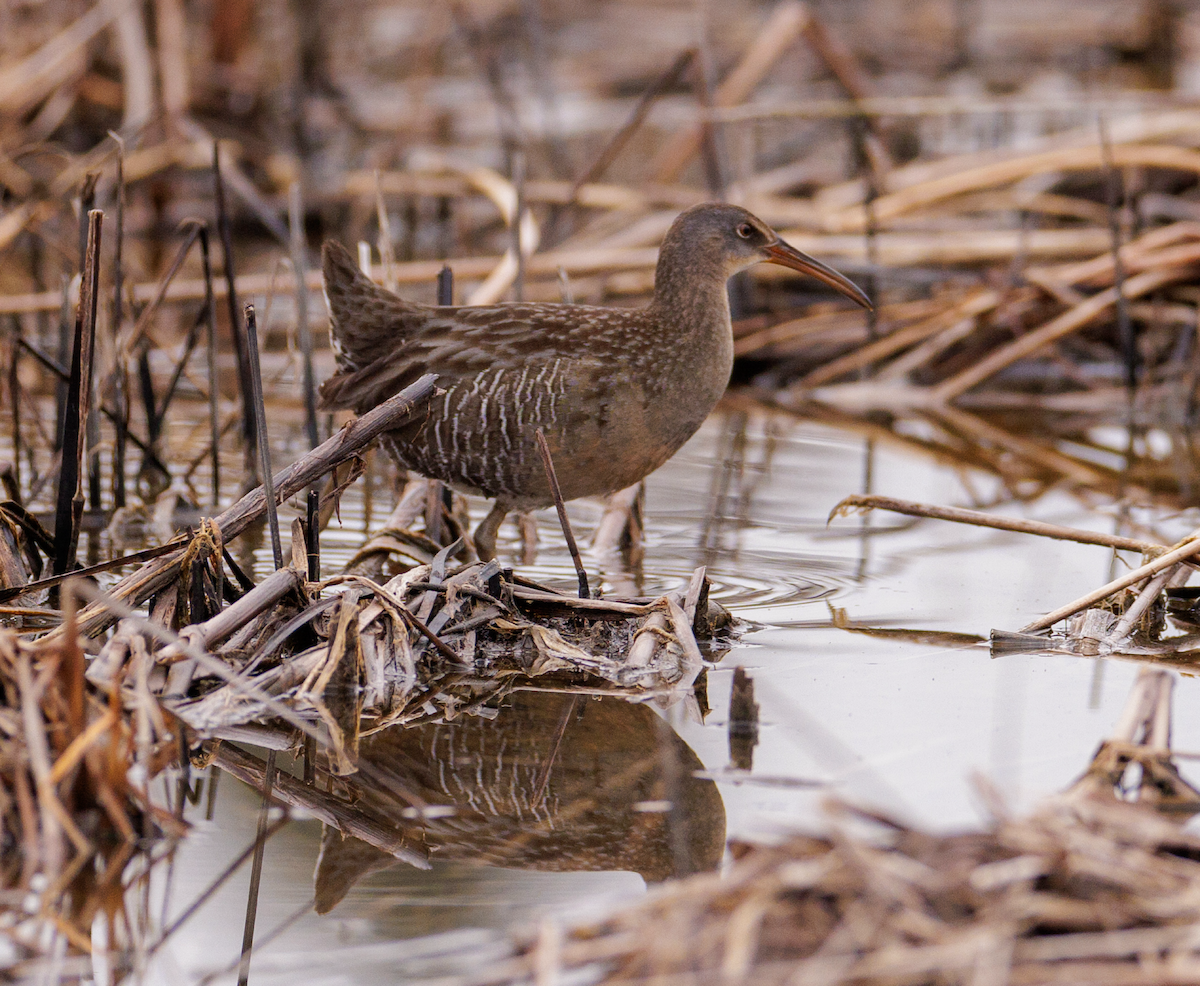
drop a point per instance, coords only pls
(738, 239)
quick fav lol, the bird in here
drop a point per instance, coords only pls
(615, 391)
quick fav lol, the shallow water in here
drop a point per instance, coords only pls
(898, 713)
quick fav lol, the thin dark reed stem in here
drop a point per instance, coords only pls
(266, 939)
(120, 413)
(69, 510)
(191, 228)
(445, 286)
(300, 269)
(193, 339)
(312, 535)
(214, 411)
(146, 390)
(668, 80)
(260, 844)
(141, 342)
(445, 220)
(234, 865)
(548, 462)
(87, 202)
(65, 321)
(264, 446)
(859, 133)
(92, 424)
(14, 398)
(245, 383)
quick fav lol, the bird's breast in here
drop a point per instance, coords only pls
(608, 424)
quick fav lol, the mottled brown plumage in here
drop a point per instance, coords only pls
(616, 391)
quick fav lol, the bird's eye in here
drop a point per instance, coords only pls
(745, 230)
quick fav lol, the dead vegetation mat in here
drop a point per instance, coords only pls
(1081, 891)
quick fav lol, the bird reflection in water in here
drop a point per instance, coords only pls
(556, 782)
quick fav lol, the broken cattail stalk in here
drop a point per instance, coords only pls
(342, 446)
(136, 558)
(236, 615)
(264, 444)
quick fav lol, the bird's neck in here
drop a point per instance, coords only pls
(691, 291)
(691, 310)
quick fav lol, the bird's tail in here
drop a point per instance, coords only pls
(362, 315)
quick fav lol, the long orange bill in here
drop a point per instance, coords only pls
(788, 256)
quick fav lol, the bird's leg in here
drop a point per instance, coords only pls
(529, 537)
(485, 533)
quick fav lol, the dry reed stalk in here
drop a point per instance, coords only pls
(170, 30)
(1084, 272)
(1131, 128)
(1068, 322)
(68, 761)
(1186, 550)
(781, 30)
(25, 83)
(12, 223)
(902, 338)
(1021, 525)
(899, 249)
(424, 181)
(895, 204)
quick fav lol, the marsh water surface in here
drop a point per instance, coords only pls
(858, 636)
